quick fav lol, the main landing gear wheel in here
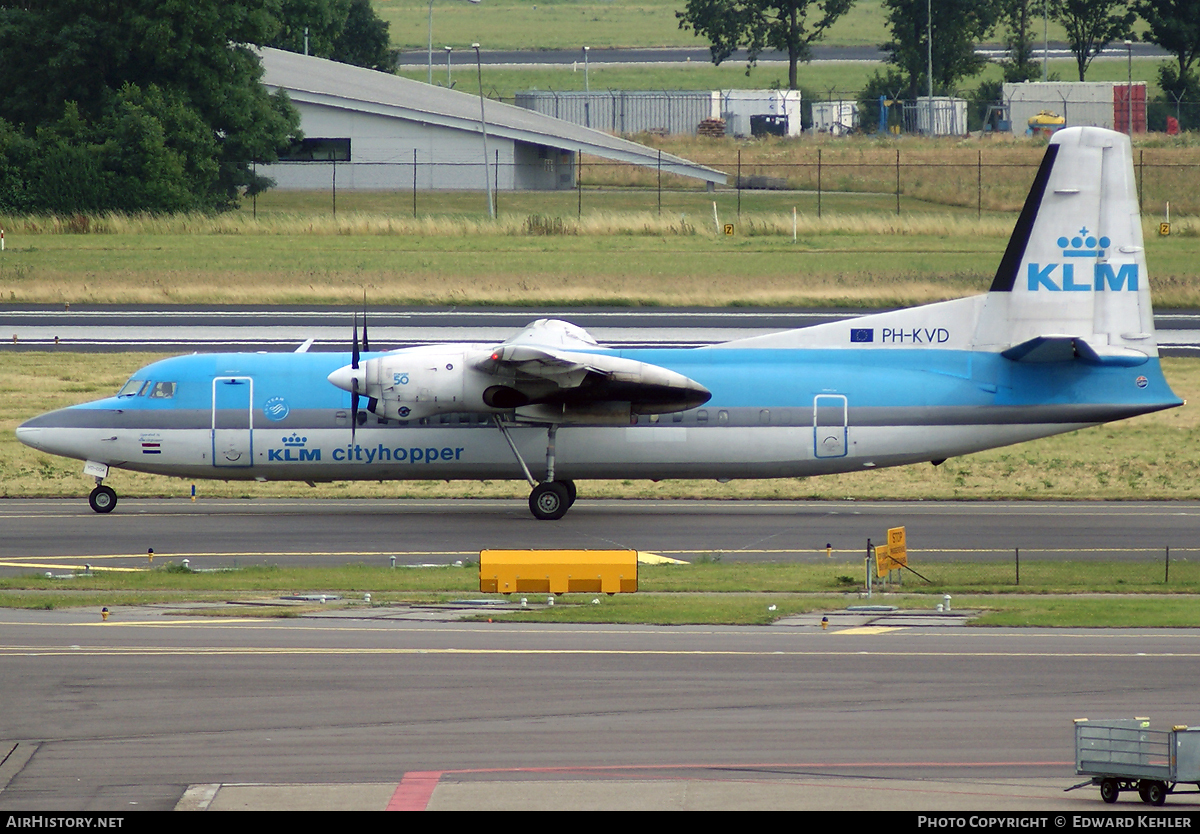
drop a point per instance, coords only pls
(103, 499)
(550, 501)
(1109, 790)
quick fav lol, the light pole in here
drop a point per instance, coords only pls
(1129, 85)
(472, 2)
(1045, 40)
(587, 90)
(448, 50)
(487, 180)
(929, 68)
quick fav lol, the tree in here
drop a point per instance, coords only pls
(364, 40)
(1175, 26)
(758, 25)
(320, 22)
(1017, 18)
(347, 31)
(156, 104)
(1092, 25)
(957, 26)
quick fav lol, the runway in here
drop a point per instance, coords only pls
(362, 709)
(148, 712)
(124, 328)
(64, 534)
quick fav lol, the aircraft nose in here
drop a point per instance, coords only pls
(344, 378)
(30, 436)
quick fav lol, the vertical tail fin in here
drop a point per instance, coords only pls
(1073, 282)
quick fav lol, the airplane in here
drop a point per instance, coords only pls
(1063, 339)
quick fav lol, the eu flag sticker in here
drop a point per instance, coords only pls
(862, 334)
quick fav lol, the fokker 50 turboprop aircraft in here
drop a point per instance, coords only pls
(1063, 339)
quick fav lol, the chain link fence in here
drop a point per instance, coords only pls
(812, 178)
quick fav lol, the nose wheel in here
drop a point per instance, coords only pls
(550, 500)
(103, 499)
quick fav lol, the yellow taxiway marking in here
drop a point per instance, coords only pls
(6, 563)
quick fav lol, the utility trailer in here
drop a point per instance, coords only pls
(1125, 754)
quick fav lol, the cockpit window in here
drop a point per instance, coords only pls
(132, 388)
(162, 391)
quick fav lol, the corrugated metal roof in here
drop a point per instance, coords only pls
(319, 81)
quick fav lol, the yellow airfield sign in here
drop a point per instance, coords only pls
(894, 554)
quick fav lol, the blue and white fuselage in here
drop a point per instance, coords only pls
(1063, 340)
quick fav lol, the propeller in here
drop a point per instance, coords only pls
(354, 378)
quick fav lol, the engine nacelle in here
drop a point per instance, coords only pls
(409, 385)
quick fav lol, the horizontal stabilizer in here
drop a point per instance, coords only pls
(1070, 348)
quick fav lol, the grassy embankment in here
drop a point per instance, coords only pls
(569, 24)
(619, 250)
(1052, 594)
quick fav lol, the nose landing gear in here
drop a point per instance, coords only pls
(102, 499)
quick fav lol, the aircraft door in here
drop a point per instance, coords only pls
(830, 413)
(233, 421)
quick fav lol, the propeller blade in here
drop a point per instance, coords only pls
(354, 381)
(366, 344)
(354, 353)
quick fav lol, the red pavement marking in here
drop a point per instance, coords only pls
(414, 790)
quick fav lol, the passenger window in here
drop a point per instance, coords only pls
(702, 415)
(723, 417)
(162, 391)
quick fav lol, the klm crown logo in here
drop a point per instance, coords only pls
(293, 450)
(1060, 277)
(1084, 245)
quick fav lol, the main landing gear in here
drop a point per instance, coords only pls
(550, 499)
(103, 499)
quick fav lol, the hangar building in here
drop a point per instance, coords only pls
(375, 131)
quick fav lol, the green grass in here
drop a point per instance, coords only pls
(712, 593)
(569, 24)
(822, 80)
(858, 261)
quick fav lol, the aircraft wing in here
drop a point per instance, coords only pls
(551, 371)
(549, 374)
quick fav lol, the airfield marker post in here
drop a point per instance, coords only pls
(870, 552)
(979, 186)
(897, 181)
(739, 190)
(660, 183)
